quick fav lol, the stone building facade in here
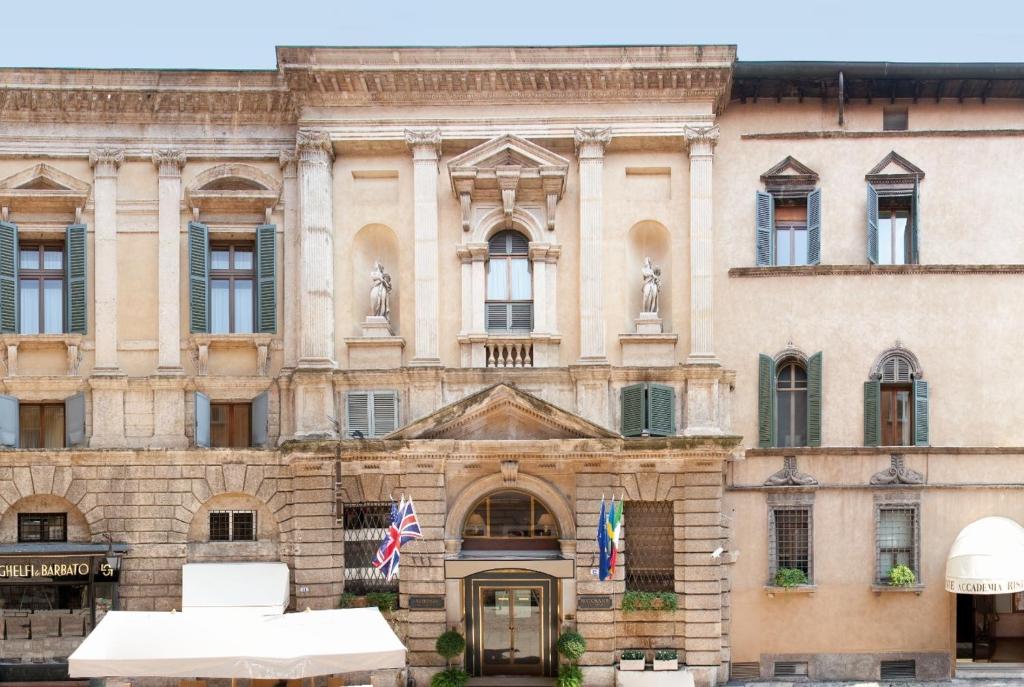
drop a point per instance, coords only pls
(196, 369)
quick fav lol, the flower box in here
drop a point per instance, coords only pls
(632, 664)
(666, 664)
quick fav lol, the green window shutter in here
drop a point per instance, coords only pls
(266, 275)
(633, 410)
(76, 284)
(914, 227)
(661, 406)
(814, 227)
(199, 276)
(814, 400)
(357, 413)
(384, 411)
(872, 225)
(872, 412)
(765, 228)
(920, 412)
(765, 401)
(8, 277)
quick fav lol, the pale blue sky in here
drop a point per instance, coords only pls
(239, 35)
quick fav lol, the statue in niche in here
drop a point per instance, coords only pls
(651, 287)
(380, 292)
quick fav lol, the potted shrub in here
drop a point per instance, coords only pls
(387, 602)
(632, 659)
(901, 576)
(666, 659)
(450, 644)
(790, 577)
(571, 646)
(649, 601)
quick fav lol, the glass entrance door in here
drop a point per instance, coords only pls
(511, 630)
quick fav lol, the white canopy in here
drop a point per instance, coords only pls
(211, 644)
(243, 587)
(987, 557)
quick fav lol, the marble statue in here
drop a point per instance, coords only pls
(380, 292)
(652, 286)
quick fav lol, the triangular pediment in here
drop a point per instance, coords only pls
(790, 167)
(895, 165)
(508, 150)
(42, 188)
(43, 177)
(502, 412)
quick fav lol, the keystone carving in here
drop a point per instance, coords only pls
(897, 473)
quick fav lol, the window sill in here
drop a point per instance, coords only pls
(771, 590)
(13, 343)
(878, 588)
(200, 345)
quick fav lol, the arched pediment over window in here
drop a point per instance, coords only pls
(233, 188)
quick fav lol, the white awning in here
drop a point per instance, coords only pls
(260, 588)
(210, 644)
(987, 557)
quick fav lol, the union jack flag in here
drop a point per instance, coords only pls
(404, 528)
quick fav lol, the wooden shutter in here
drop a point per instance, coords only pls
(76, 291)
(384, 412)
(920, 412)
(202, 407)
(74, 420)
(632, 410)
(266, 277)
(765, 401)
(497, 317)
(10, 421)
(259, 416)
(8, 277)
(199, 276)
(765, 227)
(814, 227)
(520, 316)
(357, 413)
(872, 412)
(661, 400)
(914, 224)
(872, 225)
(814, 400)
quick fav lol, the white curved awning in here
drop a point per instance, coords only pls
(987, 557)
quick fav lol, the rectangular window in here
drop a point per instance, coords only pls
(41, 288)
(42, 527)
(230, 425)
(791, 231)
(41, 425)
(791, 539)
(232, 275)
(233, 525)
(895, 119)
(894, 230)
(896, 539)
(371, 413)
(897, 415)
(650, 563)
(365, 526)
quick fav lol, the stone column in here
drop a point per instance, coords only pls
(590, 145)
(700, 143)
(426, 151)
(105, 163)
(292, 243)
(316, 299)
(169, 163)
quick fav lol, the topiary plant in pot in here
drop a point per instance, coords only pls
(571, 646)
(450, 644)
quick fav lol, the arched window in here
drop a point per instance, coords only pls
(510, 519)
(896, 402)
(509, 283)
(791, 404)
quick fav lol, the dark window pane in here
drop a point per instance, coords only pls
(220, 429)
(31, 429)
(365, 527)
(792, 544)
(895, 119)
(243, 526)
(220, 526)
(42, 527)
(240, 435)
(510, 514)
(650, 562)
(53, 426)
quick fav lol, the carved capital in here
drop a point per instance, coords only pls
(590, 143)
(169, 161)
(106, 160)
(424, 143)
(314, 145)
(287, 157)
(701, 140)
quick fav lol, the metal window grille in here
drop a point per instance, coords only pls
(233, 525)
(898, 670)
(649, 536)
(896, 539)
(365, 525)
(41, 527)
(792, 539)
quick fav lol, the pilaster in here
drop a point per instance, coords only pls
(169, 162)
(426, 151)
(590, 146)
(700, 142)
(292, 243)
(316, 300)
(105, 163)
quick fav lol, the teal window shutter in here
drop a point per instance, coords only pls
(914, 226)
(384, 412)
(259, 418)
(814, 400)
(10, 421)
(872, 412)
(8, 277)
(357, 413)
(872, 225)
(632, 415)
(920, 412)
(661, 400)
(76, 289)
(266, 275)
(765, 228)
(199, 276)
(814, 227)
(74, 420)
(765, 401)
(202, 426)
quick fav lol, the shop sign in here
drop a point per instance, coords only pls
(593, 602)
(425, 603)
(958, 586)
(55, 568)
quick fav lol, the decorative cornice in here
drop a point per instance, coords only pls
(790, 476)
(424, 143)
(312, 144)
(169, 161)
(590, 143)
(896, 474)
(106, 156)
(701, 140)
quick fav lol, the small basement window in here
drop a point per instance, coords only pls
(233, 525)
(895, 119)
(42, 527)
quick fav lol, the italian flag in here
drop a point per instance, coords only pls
(614, 525)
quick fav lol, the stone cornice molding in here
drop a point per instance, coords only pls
(425, 144)
(106, 161)
(313, 145)
(169, 161)
(701, 140)
(590, 143)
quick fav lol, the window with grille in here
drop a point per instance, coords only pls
(233, 525)
(40, 527)
(509, 304)
(896, 539)
(791, 539)
(649, 538)
(365, 526)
